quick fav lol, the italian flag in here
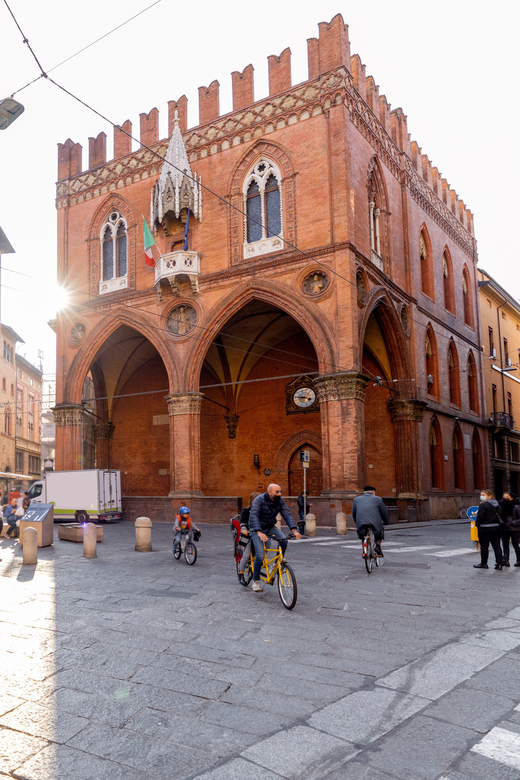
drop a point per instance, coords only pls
(149, 242)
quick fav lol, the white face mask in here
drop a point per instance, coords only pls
(483, 497)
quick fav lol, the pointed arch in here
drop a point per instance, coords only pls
(426, 262)
(476, 453)
(431, 361)
(449, 286)
(472, 377)
(123, 258)
(459, 467)
(378, 214)
(436, 455)
(305, 313)
(467, 297)
(95, 339)
(453, 374)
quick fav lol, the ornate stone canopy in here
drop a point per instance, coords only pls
(177, 189)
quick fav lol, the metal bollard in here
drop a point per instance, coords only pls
(310, 525)
(143, 534)
(30, 547)
(341, 523)
(89, 540)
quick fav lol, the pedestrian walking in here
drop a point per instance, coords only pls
(301, 500)
(510, 527)
(369, 510)
(488, 522)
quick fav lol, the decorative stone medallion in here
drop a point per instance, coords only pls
(315, 283)
(77, 332)
(181, 320)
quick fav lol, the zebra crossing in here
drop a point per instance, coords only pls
(390, 548)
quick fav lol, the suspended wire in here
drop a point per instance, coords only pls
(43, 74)
(204, 187)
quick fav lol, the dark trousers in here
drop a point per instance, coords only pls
(514, 535)
(491, 535)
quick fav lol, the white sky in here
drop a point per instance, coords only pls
(451, 65)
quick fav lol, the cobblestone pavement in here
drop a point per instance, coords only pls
(134, 666)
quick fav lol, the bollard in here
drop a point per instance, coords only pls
(89, 540)
(30, 547)
(310, 525)
(279, 521)
(143, 534)
(341, 523)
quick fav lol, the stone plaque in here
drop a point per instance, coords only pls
(181, 320)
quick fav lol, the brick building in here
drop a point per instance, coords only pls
(500, 321)
(28, 419)
(326, 300)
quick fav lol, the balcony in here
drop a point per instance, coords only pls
(502, 420)
(176, 268)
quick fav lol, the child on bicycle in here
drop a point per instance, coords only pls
(183, 525)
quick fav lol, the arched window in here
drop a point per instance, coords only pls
(453, 374)
(436, 455)
(447, 275)
(466, 295)
(7, 421)
(114, 255)
(458, 458)
(472, 383)
(263, 207)
(378, 216)
(4, 384)
(476, 452)
(425, 258)
(432, 368)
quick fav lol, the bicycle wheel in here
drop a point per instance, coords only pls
(177, 551)
(190, 553)
(369, 560)
(248, 575)
(287, 587)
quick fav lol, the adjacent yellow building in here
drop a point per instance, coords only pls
(500, 326)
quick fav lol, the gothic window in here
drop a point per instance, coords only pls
(432, 369)
(114, 254)
(426, 265)
(7, 421)
(476, 452)
(377, 216)
(472, 384)
(447, 275)
(458, 458)
(453, 374)
(436, 455)
(263, 208)
(466, 294)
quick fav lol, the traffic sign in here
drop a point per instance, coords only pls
(472, 512)
(305, 456)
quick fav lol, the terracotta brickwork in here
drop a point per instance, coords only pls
(191, 361)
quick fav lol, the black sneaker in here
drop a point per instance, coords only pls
(378, 551)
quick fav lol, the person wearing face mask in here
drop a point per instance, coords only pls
(488, 523)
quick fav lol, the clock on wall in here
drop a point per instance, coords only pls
(301, 396)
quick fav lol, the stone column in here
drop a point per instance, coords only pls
(342, 398)
(103, 433)
(184, 412)
(406, 415)
(69, 436)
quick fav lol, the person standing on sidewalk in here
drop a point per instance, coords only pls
(510, 528)
(369, 510)
(489, 530)
(262, 521)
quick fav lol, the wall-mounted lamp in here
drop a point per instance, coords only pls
(267, 472)
(256, 461)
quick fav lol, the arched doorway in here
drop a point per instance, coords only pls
(247, 414)
(314, 476)
(126, 387)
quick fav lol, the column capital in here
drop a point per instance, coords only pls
(184, 403)
(406, 409)
(349, 385)
(68, 414)
(104, 430)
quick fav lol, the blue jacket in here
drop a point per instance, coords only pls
(264, 511)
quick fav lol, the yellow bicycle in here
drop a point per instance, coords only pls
(273, 568)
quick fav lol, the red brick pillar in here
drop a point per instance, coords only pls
(342, 398)
(103, 433)
(69, 435)
(406, 415)
(184, 411)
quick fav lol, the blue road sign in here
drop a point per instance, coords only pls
(472, 512)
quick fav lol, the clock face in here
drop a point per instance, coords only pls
(304, 397)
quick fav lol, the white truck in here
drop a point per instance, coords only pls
(95, 493)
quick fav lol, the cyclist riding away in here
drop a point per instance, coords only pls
(183, 525)
(262, 522)
(369, 510)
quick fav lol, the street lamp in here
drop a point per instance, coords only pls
(10, 110)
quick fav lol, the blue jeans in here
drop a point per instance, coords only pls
(259, 547)
(178, 536)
